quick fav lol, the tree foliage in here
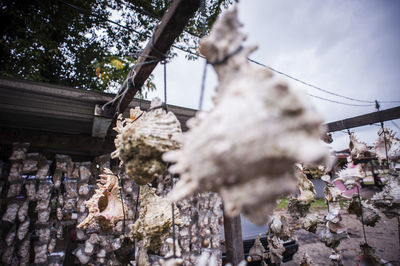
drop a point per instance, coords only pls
(75, 43)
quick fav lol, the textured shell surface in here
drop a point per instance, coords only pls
(388, 200)
(155, 219)
(141, 141)
(357, 148)
(392, 146)
(105, 206)
(246, 146)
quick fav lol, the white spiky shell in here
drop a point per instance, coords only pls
(143, 138)
(246, 146)
(105, 206)
(392, 146)
(357, 148)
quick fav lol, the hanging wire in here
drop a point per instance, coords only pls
(395, 124)
(377, 106)
(203, 82)
(362, 215)
(121, 188)
(137, 204)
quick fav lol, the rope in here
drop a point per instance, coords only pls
(121, 188)
(203, 82)
(362, 216)
(377, 106)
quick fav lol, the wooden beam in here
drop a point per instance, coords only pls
(171, 26)
(233, 239)
(363, 120)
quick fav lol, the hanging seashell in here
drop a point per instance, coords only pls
(280, 227)
(310, 222)
(392, 146)
(30, 188)
(19, 151)
(388, 200)
(300, 205)
(357, 148)
(105, 206)
(245, 148)
(40, 253)
(82, 257)
(155, 219)
(23, 229)
(368, 256)
(306, 260)
(208, 258)
(11, 236)
(43, 169)
(257, 251)
(15, 172)
(11, 212)
(23, 211)
(169, 259)
(276, 250)
(142, 140)
(368, 214)
(31, 163)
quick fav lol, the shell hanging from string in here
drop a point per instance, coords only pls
(105, 206)
(143, 138)
(245, 148)
(392, 146)
(155, 219)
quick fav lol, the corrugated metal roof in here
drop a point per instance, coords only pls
(39, 107)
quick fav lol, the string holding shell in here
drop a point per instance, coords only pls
(155, 219)
(245, 148)
(105, 206)
(143, 138)
(368, 214)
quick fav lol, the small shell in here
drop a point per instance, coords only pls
(155, 219)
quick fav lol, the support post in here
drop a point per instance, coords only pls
(233, 239)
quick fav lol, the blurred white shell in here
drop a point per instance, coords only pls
(357, 148)
(143, 138)
(105, 206)
(246, 146)
(155, 219)
(392, 145)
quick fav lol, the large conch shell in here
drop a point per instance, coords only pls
(143, 138)
(245, 148)
(105, 206)
(155, 219)
(357, 148)
(392, 145)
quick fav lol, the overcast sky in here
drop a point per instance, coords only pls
(347, 47)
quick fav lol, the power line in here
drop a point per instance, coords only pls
(318, 88)
(343, 103)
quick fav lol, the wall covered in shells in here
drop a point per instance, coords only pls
(42, 202)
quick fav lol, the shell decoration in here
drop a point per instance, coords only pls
(388, 200)
(392, 146)
(245, 148)
(301, 204)
(105, 206)
(357, 148)
(155, 219)
(368, 214)
(143, 138)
